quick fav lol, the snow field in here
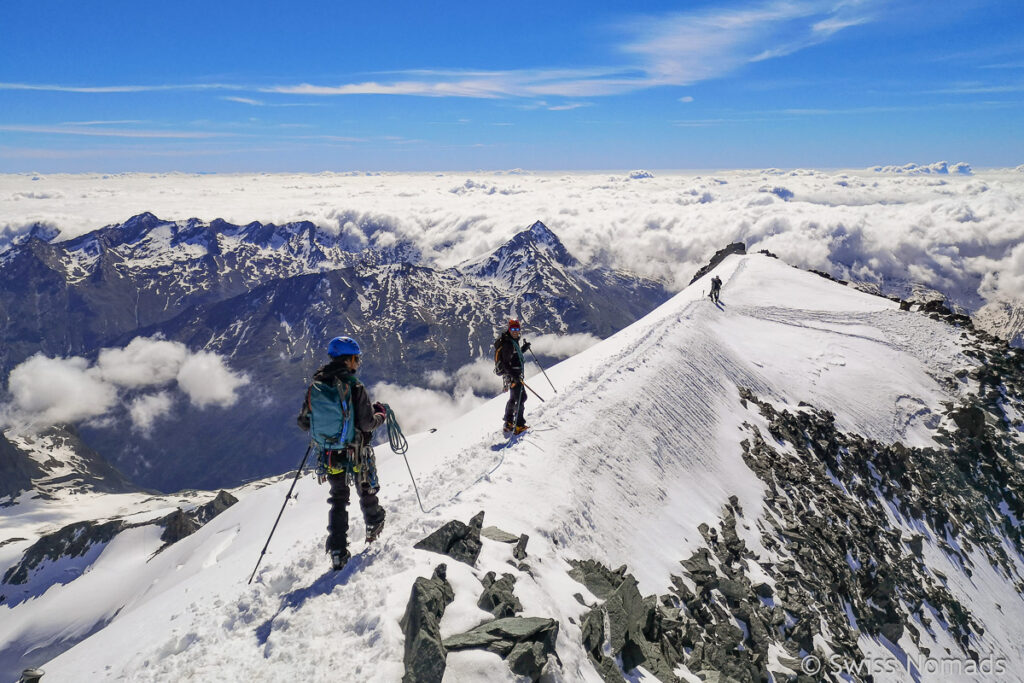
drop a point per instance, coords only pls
(638, 447)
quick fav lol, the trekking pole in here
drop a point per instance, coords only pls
(534, 392)
(286, 499)
(399, 445)
(542, 370)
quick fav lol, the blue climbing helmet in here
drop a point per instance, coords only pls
(343, 346)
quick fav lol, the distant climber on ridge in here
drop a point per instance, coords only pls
(716, 288)
(509, 362)
(340, 418)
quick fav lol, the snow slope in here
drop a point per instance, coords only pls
(639, 446)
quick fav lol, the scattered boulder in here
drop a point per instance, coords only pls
(496, 534)
(498, 597)
(456, 540)
(598, 579)
(970, 420)
(525, 642)
(424, 652)
(519, 552)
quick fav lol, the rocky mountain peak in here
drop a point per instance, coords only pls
(539, 237)
(532, 253)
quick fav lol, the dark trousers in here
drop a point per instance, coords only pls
(516, 404)
(337, 519)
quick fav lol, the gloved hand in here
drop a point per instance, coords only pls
(525, 347)
(379, 407)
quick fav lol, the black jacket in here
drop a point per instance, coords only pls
(510, 357)
(365, 419)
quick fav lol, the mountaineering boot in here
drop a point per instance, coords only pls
(508, 427)
(373, 531)
(521, 428)
(339, 558)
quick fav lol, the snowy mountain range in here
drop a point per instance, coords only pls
(268, 298)
(806, 480)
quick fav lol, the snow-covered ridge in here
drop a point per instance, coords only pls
(255, 250)
(641, 446)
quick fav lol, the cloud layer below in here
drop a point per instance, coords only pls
(957, 233)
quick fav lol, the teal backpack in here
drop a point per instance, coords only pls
(331, 417)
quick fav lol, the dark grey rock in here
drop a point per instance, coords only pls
(424, 652)
(519, 552)
(180, 524)
(177, 526)
(456, 540)
(734, 248)
(526, 642)
(498, 597)
(598, 579)
(970, 419)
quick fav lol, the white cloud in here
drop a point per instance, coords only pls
(475, 377)
(207, 380)
(144, 362)
(145, 410)
(561, 345)
(418, 409)
(45, 391)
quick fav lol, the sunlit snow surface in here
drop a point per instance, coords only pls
(638, 447)
(962, 235)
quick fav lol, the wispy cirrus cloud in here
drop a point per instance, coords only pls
(124, 122)
(977, 89)
(252, 102)
(246, 100)
(570, 106)
(118, 88)
(686, 47)
(676, 49)
(89, 131)
(679, 48)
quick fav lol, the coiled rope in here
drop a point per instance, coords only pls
(399, 445)
(395, 437)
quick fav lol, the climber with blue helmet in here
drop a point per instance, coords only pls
(350, 459)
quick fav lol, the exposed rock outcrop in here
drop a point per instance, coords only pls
(456, 540)
(525, 642)
(424, 652)
(720, 255)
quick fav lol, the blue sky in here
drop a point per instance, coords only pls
(258, 86)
